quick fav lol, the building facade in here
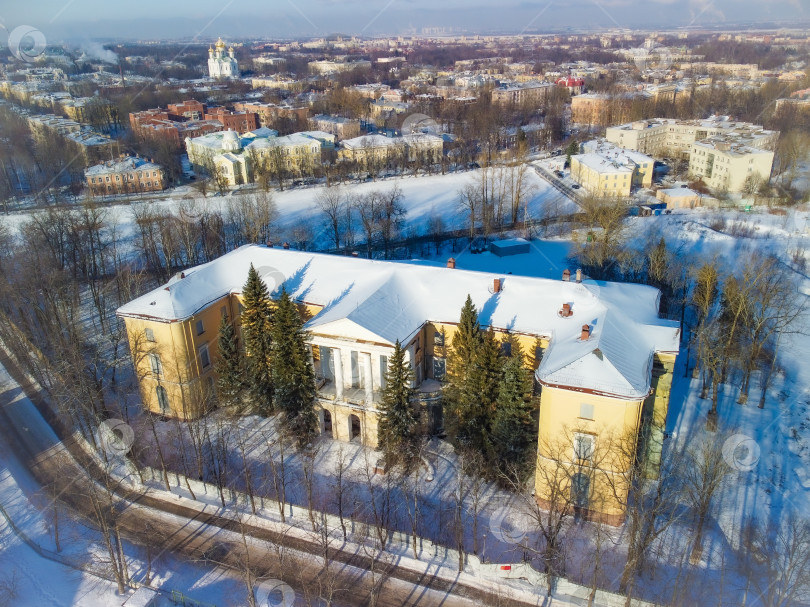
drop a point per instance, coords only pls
(608, 170)
(603, 363)
(126, 175)
(728, 166)
(674, 138)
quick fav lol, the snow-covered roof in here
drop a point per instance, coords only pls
(388, 301)
(372, 141)
(123, 165)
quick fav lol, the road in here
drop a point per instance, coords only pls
(187, 530)
(559, 184)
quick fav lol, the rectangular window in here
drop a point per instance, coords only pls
(354, 358)
(506, 348)
(155, 364)
(383, 370)
(163, 399)
(583, 447)
(439, 368)
(328, 362)
(586, 411)
(205, 359)
(223, 312)
(149, 334)
(200, 327)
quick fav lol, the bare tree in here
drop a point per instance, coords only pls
(703, 476)
(331, 202)
(781, 561)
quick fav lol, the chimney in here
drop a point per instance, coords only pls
(269, 244)
(182, 274)
(286, 245)
(566, 310)
(586, 332)
(451, 263)
(579, 275)
(496, 285)
(566, 275)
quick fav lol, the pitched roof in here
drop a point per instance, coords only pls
(392, 300)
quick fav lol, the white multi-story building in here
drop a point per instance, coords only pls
(671, 137)
(727, 165)
(222, 63)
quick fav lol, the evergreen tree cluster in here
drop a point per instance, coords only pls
(489, 397)
(399, 429)
(273, 372)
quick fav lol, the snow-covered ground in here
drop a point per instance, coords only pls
(38, 580)
(423, 197)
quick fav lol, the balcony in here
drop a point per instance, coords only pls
(428, 391)
(356, 396)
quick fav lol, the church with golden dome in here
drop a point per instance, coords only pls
(222, 63)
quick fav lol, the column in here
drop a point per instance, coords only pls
(337, 357)
(368, 377)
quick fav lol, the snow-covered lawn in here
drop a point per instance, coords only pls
(423, 197)
(42, 581)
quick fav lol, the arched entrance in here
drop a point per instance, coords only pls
(327, 423)
(354, 427)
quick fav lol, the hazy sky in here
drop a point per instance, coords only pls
(152, 19)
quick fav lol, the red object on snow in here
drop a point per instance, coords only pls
(506, 567)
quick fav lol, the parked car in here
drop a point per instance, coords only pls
(576, 186)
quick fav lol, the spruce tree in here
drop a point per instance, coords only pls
(293, 376)
(256, 333)
(481, 393)
(513, 427)
(398, 430)
(465, 344)
(230, 368)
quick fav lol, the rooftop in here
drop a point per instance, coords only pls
(385, 301)
(122, 165)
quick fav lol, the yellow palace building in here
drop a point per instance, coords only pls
(601, 356)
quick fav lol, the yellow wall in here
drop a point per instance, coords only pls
(613, 420)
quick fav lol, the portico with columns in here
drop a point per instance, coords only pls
(350, 377)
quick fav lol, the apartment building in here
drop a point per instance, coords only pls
(608, 170)
(268, 113)
(126, 175)
(725, 164)
(603, 357)
(340, 127)
(532, 93)
(669, 137)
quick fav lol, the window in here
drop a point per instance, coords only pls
(162, 398)
(383, 369)
(205, 358)
(155, 364)
(506, 348)
(583, 446)
(149, 334)
(586, 411)
(438, 338)
(439, 368)
(200, 327)
(223, 312)
(580, 490)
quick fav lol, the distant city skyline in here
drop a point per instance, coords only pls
(149, 19)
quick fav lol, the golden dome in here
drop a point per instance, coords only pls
(220, 43)
(230, 49)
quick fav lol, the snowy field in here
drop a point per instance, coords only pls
(42, 581)
(423, 197)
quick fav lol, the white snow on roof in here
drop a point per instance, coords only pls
(393, 300)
